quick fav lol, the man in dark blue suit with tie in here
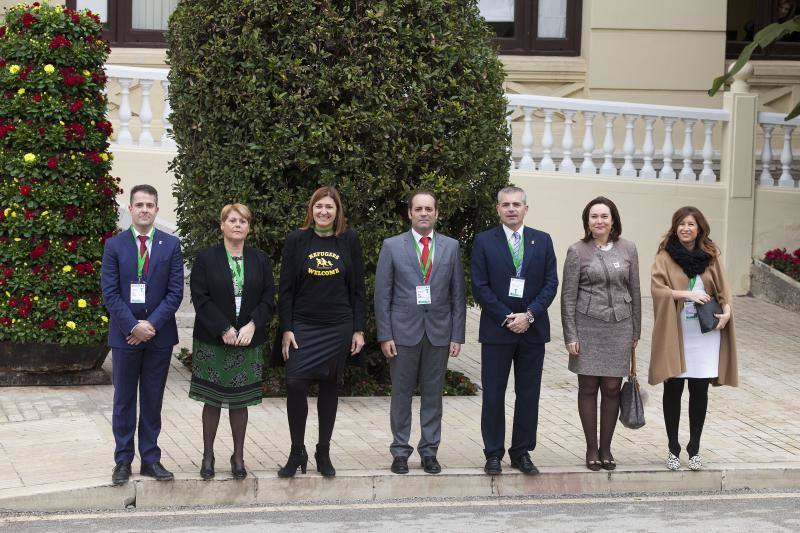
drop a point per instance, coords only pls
(142, 281)
(514, 280)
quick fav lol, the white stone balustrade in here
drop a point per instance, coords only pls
(773, 125)
(636, 156)
(134, 127)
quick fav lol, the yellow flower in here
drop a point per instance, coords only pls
(70, 324)
(35, 298)
(45, 213)
(13, 213)
(14, 69)
(86, 73)
(29, 158)
(49, 68)
(81, 303)
(17, 239)
(7, 211)
(21, 90)
(66, 268)
(104, 318)
(104, 156)
(61, 122)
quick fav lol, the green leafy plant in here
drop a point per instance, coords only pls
(57, 204)
(765, 37)
(274, 98)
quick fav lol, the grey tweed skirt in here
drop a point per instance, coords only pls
(605, 347)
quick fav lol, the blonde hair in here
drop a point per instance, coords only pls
(239, 208)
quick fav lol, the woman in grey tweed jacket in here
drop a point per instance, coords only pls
(601, 316)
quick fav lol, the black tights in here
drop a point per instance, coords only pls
(297, 407)
(609, 411)
(238, 419)
(698, 404)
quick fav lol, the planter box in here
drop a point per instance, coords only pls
(52, 364)
(774, 286)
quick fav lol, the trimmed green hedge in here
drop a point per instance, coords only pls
(273, 98)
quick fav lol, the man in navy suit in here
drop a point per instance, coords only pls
(142, 281)
(514, 280)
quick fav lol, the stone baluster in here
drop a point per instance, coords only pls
(588, 166)
(527, 163)
(124, 136)
(786, 179)
(707, 174)
(608, 168)
(667, 150)
(547, 162)
(628, 170)
(688, 151)
(146, 114)
(166, 137)
(648, 149)
(567, 165)
(766, 157)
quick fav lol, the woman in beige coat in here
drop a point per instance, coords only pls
(688, 272)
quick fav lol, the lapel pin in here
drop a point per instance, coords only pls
(533, 242)
(160, 242)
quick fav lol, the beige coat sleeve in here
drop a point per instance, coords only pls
(569, 294)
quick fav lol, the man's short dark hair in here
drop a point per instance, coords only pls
(427, 192)
(149, 189)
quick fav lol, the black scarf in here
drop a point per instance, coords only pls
(692, 262)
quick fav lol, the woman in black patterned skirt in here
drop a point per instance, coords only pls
(233, 293)
(322, 315)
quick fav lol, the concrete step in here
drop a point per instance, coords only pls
(264, 487)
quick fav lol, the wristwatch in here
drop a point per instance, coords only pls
(530, 316)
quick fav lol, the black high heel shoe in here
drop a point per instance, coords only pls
(298, 457)
(207, 467)
(323, 458)
(239, 472)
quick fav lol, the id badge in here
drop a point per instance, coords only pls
(137, 293)
(238, 300)
(516, 287)
(423, 294)
(689, 310)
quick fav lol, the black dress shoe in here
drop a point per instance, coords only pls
(207, 467)
(493, 467)
(238, 470)
(400, 465)
(524, 464)
(157, 471)
(121, 474)
(431, 465)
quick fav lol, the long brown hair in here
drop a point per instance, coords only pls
(339, 223)
(703, 240)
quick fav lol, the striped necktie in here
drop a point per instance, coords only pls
(515, 245)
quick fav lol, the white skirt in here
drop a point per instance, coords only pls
(700, 350)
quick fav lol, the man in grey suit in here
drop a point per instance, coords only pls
(420, 310)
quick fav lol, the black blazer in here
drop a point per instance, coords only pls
(212, 294)
(295, 250)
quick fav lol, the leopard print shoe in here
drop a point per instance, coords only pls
(695, 463)
(673, 462)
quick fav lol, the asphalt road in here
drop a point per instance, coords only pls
(708, 513)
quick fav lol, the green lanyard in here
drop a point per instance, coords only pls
(692, 282)
(425, 267)
(139, 257)
(237, 269)
(517, 259)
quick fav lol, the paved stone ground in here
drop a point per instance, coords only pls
(51, 435)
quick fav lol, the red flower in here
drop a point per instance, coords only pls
(30, 214)
(23, 312)
(59, 41)
(75, 106)
(40, 249)
(107, 192)
(69, 297)
(25, 190)
(74, 131)
(48, 324)
(104, 126)
(76, 18)
(13, 302)
(71, 245)
(91, 333)
(107, 235)
(63, 305)
(28, 19)
(52, 162)
(8, 272)
(5, 321)
(70, 211)
(26, 301)
(41, 130)
(2, 31)
(94, 299)
(36, 98)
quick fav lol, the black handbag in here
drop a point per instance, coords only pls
(631, 407)
(705, 314)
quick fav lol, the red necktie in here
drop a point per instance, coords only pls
(424, 258)
(143, 252)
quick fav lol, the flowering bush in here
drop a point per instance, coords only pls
(57, 204)
(785, 262)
